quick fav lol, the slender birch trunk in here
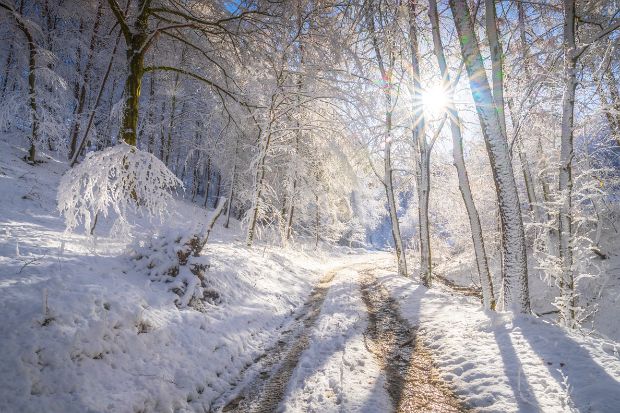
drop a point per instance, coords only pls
(565, 179)
(422, 161)
(317, 222)
(497, 62)
(7, 70)
(514, 265)
(291, 196)
(81, 98)
(32, 81)
(207, 180)
(482, 262)
(91, 116)
(265, 139)
(386, 74)
(231, 190)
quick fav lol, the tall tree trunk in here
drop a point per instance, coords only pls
(207, 180)
(173, 107)
(482, 262)
(133, 86)
(81, 98)
(162, 135)
(265, 139)
(136, 38)
(32, 91)
(565, 179)
(290, 199)
(7, 70)
(231, 190)
(423, 156)
(151, 115)
(218, 188)
(386, 74)
(317, 222)
(614, 105)
(32, 80)
(514, 265)
(389, 191)
(530, 185)
(525, 166)
(497, 62)
(91, 116)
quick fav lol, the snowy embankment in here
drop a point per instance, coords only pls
(83, 330)
(499, 363)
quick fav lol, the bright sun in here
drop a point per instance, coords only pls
(435, 100)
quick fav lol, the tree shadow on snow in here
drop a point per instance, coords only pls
(590, 387)
(513, 370)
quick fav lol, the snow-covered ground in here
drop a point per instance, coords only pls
(338, 373)
(82, 330)
(599, 294)
(499, 363)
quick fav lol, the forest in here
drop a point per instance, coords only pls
(204, 201)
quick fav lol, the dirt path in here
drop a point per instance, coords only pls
(265, 393)
(413, 382)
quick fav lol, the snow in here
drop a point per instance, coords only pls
(498, 362)
(337, 372)
(83, 330)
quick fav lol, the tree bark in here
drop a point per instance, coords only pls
(459, 162)
(75, 130)
(565, 179)
(7, 70)
(231, 190)
(136, 39)
(265, 139)
(423, 173)
(514, 265)
(388, 183)
(91, 117)
(32, 81)
(497, 62)
(207, 180)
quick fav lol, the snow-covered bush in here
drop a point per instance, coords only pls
(170, 258)
(121, 178)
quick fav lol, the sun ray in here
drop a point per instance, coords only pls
(435, 100)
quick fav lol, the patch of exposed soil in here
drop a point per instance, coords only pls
(413, 382)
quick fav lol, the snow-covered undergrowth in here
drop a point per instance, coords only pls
(114, 179)
(163, 258)
(499, 363)
(599, 296)
(84, 328)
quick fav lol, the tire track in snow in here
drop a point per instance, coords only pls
(412, 379)
(266, 392)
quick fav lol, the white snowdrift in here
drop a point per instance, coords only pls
(83, 330)
(499, 363)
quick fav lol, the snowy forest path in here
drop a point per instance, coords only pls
(266, 392)
(413, 382)
(347, 350)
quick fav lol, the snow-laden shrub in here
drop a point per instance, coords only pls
(121, 178)
(170, 258)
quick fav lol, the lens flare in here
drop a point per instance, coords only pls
(435, 100)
